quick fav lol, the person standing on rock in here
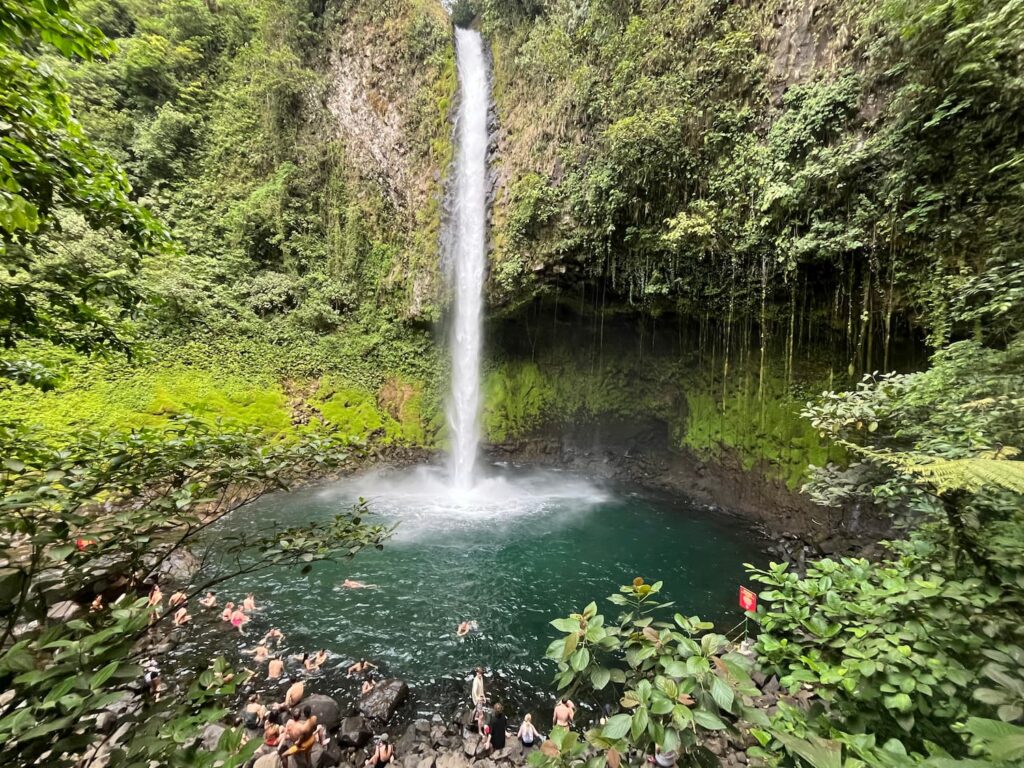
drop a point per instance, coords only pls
(565, 711)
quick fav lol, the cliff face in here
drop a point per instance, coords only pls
(391, 82)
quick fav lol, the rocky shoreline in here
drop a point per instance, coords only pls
(638, 453)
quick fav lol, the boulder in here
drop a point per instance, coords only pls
(326, 709)
(354, 733)
(271, 760)
(211, 736)
(65, 610)
(452, 759)
(471, 745)
(407, 742)
(332, 753)
(179, 567)
(380, 703)
(426, 761)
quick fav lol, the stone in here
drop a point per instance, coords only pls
(382, 702)
(407, 741)
(426, 762)
(179, 567)
(211, 736)
(772, 686)
(422, 727)
(354, 733)
(452, 759)
(332, 753)
(471, 745)
(65, 610)
(326, 709)
(272, 760)
(438, 735)
(106, 721)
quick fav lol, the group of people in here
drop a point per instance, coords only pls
(237, 616)
(289, 733)
(494, 731)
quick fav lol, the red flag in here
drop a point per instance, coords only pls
(748, 599)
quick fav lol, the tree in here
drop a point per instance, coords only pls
(47, 165)
(121, 504)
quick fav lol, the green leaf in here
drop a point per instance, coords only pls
(708, 720)
(580, 659)
(722, 693)
(599, 677)
(616, 727)
(819, 753)
(566, 625)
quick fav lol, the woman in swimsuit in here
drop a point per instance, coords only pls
(238, 620)
(229, 608)
(181, 616)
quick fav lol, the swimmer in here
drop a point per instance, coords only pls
(361, 667)
(465, 628)
(319, 658)
(296, 692)
(255, 712)
(275, 669)
(275, 634)
(239, 620)
(249, 604)
(260, 654)
(177, 600)
(209, 601)
(181, 616)
(368, 685)
(229, 608)
(353, 584)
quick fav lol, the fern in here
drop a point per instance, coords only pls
(992, 469)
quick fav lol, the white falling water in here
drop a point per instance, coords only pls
(468, 243)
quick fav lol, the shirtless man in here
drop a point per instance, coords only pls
(249, 604)
(368, 685)
(361, 667)
(275, 634)
(181, 616)
(295, 694)
(275, 669)
(300, 734)
(260, 654)
(565, 711)
(209, 601)
(177, 599)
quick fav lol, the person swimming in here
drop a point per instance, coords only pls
(181, 616)
(274, 634)
(229, 608)
(361, 667)
(354, 584)
(249, 603)
(239, 620)
(177, 599)
(260, 654)
(465, 628)
(275, 669)
(209, 601)
(313, 664)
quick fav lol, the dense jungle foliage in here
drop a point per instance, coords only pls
(211, 265)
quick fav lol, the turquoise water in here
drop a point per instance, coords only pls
(524, 548)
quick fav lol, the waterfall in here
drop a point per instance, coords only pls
(468, 255)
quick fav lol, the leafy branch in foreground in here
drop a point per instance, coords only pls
(114, 507)
(671, 682)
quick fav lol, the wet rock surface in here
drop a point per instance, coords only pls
(384, 700)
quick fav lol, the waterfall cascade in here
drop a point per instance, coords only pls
(468, 243)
